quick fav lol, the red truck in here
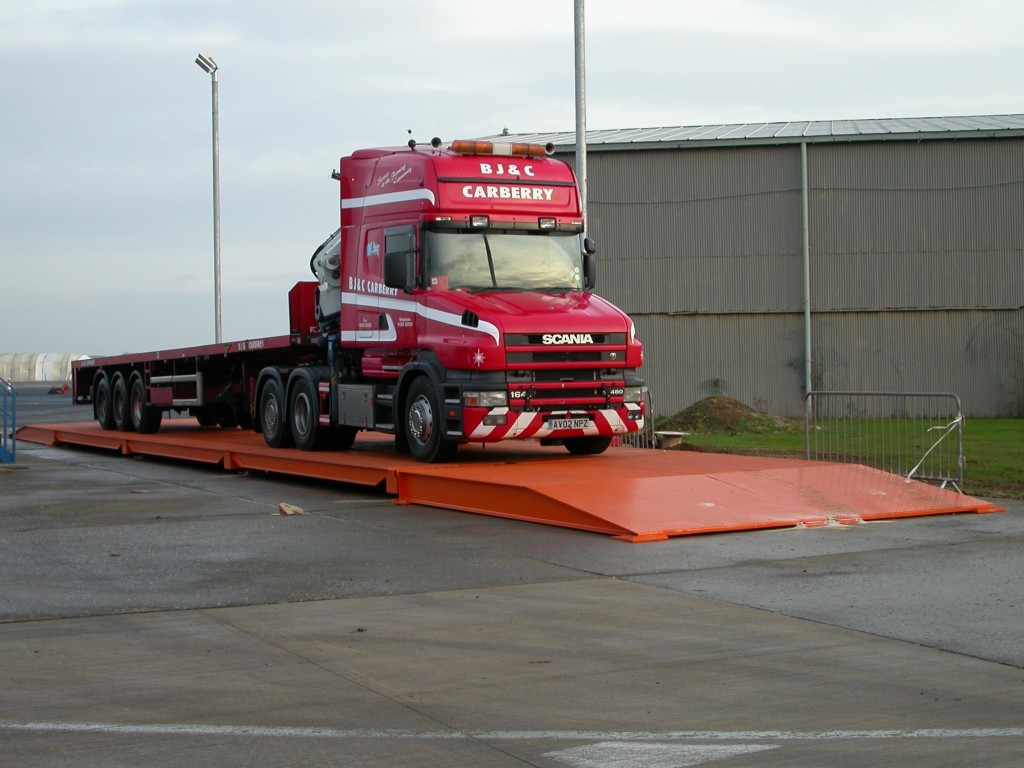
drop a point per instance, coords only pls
(454, 304)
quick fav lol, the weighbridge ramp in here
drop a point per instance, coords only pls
(632, 494)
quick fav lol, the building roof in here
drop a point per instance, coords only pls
(796, 132)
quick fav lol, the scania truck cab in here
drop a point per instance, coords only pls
(458, 294)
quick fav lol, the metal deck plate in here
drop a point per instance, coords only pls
(632, 494)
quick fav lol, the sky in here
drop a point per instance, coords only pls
(106, 202)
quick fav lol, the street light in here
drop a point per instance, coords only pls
(210, 67)
(579, 30)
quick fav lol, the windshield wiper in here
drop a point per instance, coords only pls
(490, 260)
(493, 288)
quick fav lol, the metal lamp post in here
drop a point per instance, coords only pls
(210, 67)
(579, 29)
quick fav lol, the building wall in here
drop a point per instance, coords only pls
(917, 268)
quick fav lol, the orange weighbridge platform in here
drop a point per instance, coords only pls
(632, 494)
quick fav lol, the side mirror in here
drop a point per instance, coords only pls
(589, 246)
(589, 270)
(400, 270)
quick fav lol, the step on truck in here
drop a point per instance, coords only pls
(453, 304)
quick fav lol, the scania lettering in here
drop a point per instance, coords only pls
(453, 304)
(567, 338)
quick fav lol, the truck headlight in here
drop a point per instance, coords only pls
(633, 394)
(493, 399)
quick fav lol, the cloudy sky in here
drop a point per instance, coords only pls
(105, 188)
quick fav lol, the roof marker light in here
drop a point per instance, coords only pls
(466, 147)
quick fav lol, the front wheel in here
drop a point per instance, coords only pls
(423, 428)
(274, 416)
(586, 446)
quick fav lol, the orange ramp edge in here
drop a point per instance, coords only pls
(632, 494)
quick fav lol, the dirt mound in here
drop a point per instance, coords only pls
(720, 414)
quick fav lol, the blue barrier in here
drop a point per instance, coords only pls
(9, 408)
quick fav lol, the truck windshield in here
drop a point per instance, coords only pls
(509, 261)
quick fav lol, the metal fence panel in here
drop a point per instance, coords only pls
(645, 438)
(915, 434)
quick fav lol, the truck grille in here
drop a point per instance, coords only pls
(557, 375)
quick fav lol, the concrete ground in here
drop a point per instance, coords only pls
(160, 614)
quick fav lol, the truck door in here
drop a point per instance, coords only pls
(368, 274)
(397, 315)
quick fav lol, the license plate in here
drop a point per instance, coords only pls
(555, 424)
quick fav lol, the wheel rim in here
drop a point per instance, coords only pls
(270, 415)
(301, 414)
(421, 420)
(138, 404)
(119, 401)
(103, 402)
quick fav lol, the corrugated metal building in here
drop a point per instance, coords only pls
(914, 241)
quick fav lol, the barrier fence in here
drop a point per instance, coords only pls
(645, 438)
(918, 435)
(8, 407)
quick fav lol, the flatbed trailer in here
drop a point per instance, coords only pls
(215, 383)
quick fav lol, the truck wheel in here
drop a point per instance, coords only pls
(274, 416)
(119, 404)
(586, 446)
(145, 418)
(304, 412)
(104, 407)
(423, 428)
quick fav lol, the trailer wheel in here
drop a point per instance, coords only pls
(119, 404)
(274, 416)
(145, 418)
(586, 446)
(304, 413)
(423, 429)
(101, 398)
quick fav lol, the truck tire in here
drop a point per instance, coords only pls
(586, 446)
(274, 416)
(304, 414)
(120, 404)
(145, 418)
(102, 404)
(424, 432)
